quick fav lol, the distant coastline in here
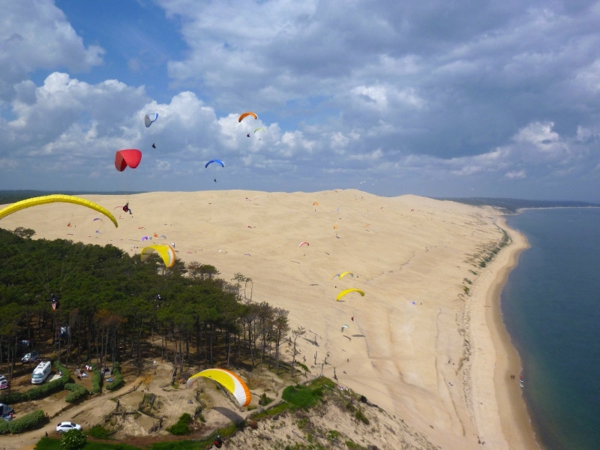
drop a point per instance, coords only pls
(514, 206)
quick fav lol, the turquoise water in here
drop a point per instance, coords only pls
(551, 307)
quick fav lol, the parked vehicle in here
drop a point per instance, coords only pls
(3, 382)
(5, 410)
(30, 357)
(67, 426)
(41, 372)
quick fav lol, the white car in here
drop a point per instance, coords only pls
(3, 382)
(63, 427)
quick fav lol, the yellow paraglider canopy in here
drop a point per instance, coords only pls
(347, 291)
(229, 380)
(166, 252)
(53, 199)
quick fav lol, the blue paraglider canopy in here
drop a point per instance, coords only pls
(218, 161)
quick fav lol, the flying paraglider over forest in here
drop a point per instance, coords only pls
(36, 201)
(229, 380)
(166, 252)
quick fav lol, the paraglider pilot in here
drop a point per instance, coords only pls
(126, 208)
(54, 301)
(218, 442)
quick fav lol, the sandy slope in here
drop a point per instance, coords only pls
(418, 346)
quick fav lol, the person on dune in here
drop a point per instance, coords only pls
(127, 209)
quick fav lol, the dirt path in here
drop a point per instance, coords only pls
(99, 404)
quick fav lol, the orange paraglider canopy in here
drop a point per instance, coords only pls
(246, 114)
(130, 157)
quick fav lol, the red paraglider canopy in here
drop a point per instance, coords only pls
(127, 158)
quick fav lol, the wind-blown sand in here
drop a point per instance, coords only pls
(419, 346)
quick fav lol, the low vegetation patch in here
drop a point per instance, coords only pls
(307, 396)
(117, 378)
(25, 423)
(77, 392)
(182, 426)
(96, 380)
(98, 432)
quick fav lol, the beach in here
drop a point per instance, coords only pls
(426, 342)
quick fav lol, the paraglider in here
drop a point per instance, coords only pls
(342, 275)
(344, 327)
(153, 145)
(246, 114)
(149, 119)
(303, 243)
(166, 252)
(218, 161)
(54, 301)
(260, 129)
(18, 206)
(347, 291)
(127, 209)
(229, 380)
(130, 157)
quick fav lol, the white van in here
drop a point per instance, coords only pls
(41, 372)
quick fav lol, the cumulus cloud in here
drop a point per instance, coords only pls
(35, 34)
(419, 97)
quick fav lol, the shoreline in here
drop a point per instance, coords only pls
(515, 421)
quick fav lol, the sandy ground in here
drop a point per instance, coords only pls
(419, 346)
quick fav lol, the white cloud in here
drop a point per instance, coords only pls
(516, 175)
(35, 34)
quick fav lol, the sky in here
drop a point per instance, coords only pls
(440, 98)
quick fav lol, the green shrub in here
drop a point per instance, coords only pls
(98, 432)
(12, 398)
(4, 427)
(27, 422)
(265, 400)
(182, 426)
(77, 392)
(302, 396)
(117, 378)
(73, 440)
(96, 380)
(359, 415)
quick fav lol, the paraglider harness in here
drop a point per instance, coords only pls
(126, 208)
(217, 443)
(54, 301)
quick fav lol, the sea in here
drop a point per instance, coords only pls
(551, 308)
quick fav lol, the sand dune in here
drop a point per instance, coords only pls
(418, 346)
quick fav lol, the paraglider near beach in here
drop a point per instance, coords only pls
(348, 291)
(36, 201)
(130, 157)
(149, 119)
(246, 114)
(229, 380)
(212, 161)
